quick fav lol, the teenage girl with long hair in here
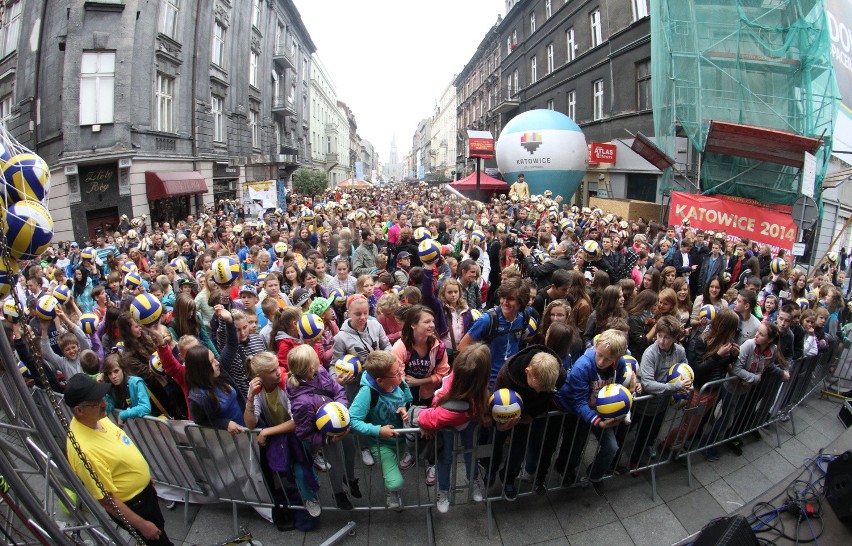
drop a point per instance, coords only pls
(611, 305)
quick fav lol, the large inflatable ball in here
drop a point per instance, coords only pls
(29, 229)
(548, 148)
(27, 178)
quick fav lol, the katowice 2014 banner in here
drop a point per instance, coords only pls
(737, 218)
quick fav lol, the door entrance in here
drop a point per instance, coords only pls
(101, 222)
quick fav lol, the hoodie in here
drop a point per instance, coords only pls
(286, 343)
(351, 342)
(751, 365)
(305, 401)
(513, 376)
(578, 394)
(368, 420)
(440, 415)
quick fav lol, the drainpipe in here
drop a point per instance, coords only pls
(194, 117)
(36, 79)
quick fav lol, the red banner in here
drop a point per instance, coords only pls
(737, 220)
(601, 153)
(481, 147)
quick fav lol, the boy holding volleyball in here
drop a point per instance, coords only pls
(380, 407)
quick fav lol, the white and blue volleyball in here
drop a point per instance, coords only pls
(477, 236)
(310, 327)
(421, 234)
(62, 293)
(179, 265)
(10, 310)
(429, 251)
(280, 248)
(613, 400)
(777, 265)
(681, 371)
(332, 419)
(156, 364)
(29, 229)
(9, 271)
(348, 364)
(89, 323)
(225, 270)
(45, 308)
(132, 280)
(505, 404)
(27, 177)
(146, 309)
(532, 327)
(128, 267)
(707, 311)
(547, 147)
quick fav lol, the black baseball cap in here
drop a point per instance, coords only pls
(82, 388)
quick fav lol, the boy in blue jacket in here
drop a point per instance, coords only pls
(598, 367)
(379, 407)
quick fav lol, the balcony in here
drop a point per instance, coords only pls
(282, 57)
(283, 106)
(288, 147)
(331, 160)
(290, 159)
(505, 102)
(330, 129)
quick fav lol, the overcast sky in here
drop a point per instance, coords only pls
(391, 60)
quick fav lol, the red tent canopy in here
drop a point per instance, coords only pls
(485, 183)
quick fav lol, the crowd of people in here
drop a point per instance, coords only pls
(526, 292)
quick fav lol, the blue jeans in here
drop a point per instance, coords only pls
(445, 455)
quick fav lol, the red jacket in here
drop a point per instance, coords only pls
(175, 370)
(284, 346)
(438, 417)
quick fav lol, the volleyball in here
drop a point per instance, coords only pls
(429, 251)
(10, 310)
(726, 277)
(45, 308)
(280, 249)
(477, 236)
(308, 215)
(613, 400)
(831, 257)
(237, 229)
(707, 311)
(592, 250)
(631, 362)
(8, 276)
(399, 291)
(566, 225)
(146, 309)
(505, 405)
(225, 270)
(532, 327)
(128, 267)
(421, 234)
(24, 370)
(803, 303)
(5, 155)
(62, 293)
(336, 294)
(179, 265)
(168, 238)
(360, 215)
(143, 245)
(261, 277)
(27, 177)
(87, 254)
(89, 323)
(311, 327)
(332, 419)
(29, 229)
(627, 377)
(469, 225)
(131, 234)
(199, 246)
(348, 364)
(777, 265)
(680, 372)
(132, 281)
(475, 314)
(155, 363)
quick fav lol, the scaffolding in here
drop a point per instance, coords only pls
(762, 63)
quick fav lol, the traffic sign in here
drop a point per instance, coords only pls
(805, 212)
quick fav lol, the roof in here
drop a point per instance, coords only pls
(760, 143)
(485, 183)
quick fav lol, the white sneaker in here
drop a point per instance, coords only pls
(320, 463)
(313, 507)
(393, 501)
(399, 505)
(443, 503)
(476, 490)
(407, 461)
(525, 476)
(431, 477)
(367, 457)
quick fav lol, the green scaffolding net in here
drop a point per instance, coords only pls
(765, 63)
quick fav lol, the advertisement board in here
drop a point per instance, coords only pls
(839, 16)
(601, 153)
(737, 219)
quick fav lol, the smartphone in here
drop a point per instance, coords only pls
(784, 295)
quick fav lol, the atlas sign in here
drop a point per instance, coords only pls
(601, 153)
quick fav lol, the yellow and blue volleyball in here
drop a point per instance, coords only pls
(261, 277)
(199, 245)
(45, 308)
(681, 371)
(551, 249)
(777, 265)
(348, 364)
(24, 370)
(505, 405)
(421, 234)
(29, 229)
(532, 327)
(89, 323)
(280, 248)
(548, 193)
(225, 270)
(156, 364)
(62, 293)
(707, 311)
(631, 362)
(429, 251)
(8, 276)
(308, 214)
(399, 291)
(128, 267)
(332, 419)
(5, 154)
(146, 309)
(831, 258)
(168, 238)
(87, 254)
(469, 225)
(627, 376)
(803, 303)
(336, 294)
(726, 277)
(27, 177)
(566, 225)
(477, 236)
(131, 234)
(613, 400)
(592, 250)
(360, 215)
(144, 244)
(310, 326)
(179, 265)
(10, 310)
(132, 280)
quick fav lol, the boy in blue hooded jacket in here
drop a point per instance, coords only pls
(380, 407)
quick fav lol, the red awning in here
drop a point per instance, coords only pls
(165, 185)
(760, 143)
(485, 183)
